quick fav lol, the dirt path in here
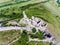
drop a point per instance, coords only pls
(14, 41)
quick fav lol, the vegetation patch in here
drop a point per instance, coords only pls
(39, 43)
(33, 30)
(23, 40)
(38, 35)
(8, 36)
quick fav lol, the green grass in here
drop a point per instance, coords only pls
(31, 43)
(23, 25)
(22, 4)
(11, 2)
(11, 13)
(15, 11)
(33, 30)
(6, 36)
(56, 6)
(37, 35)
(38, 43)
(23, 40)
(1, 1)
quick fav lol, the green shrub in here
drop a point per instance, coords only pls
(33, 30)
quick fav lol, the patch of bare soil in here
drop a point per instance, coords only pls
(53, 31)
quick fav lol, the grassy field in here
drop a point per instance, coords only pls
(55, 4)
(8, 36)
(12, 2)
(11, 11)
(38, 35)
(22, 4)
(1, 1)
(25, 38)
(38, 43)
